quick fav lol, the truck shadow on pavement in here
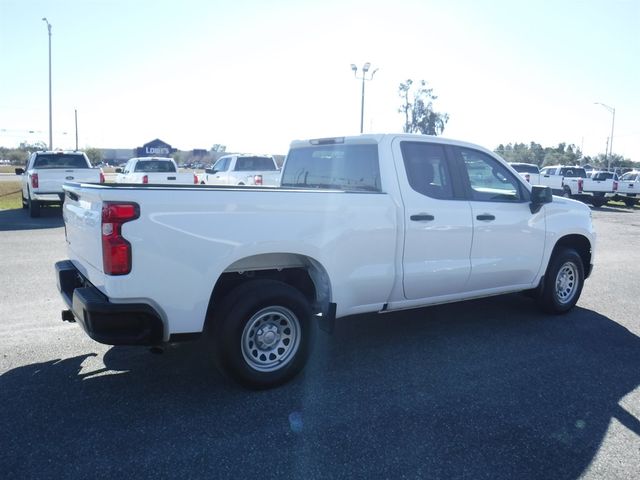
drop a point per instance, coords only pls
(19, 219)
(484, 389)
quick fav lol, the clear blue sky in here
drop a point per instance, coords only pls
(254, 75)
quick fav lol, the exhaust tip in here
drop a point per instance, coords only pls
(67, 316)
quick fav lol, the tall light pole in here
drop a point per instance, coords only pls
(365, 69)
(612, 111)
(44, 19)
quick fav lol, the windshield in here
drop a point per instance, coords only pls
(344, 167)
(247, 164)
(162, 166)
(60, 160)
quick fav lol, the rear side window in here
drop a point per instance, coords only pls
(247, 164)
(427, 170)
(63, 160)
(342, 167)
(160, 166)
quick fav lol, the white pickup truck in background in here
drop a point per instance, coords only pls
(529, 171)
(153, 170)
(566, 181)
(371, 223)
(46, 172)
(243, 170)
(599, 187)
(629, 188)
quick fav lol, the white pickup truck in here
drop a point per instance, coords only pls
(243, 170)
(371, 223)
(153, 170)
(529, 171)
(46, 172)
(566, 181)
(599, 187)
(629, 188)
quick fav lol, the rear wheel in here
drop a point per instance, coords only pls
(598, 202)
(263, 333)
(563, 282)
(630, 202)
(566, 192)
(34, 207)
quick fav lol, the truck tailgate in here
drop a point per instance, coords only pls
(82, 211)
(51, 180)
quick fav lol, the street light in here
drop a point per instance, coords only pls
(365, 69)
(612, 111)
(44, 19)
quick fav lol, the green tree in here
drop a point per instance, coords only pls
(417, 107)
(94, 154)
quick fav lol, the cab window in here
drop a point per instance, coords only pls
(427, 169)
(489, 180)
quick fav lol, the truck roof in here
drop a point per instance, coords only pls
(370, 138)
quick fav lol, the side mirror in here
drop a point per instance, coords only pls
(19, 171)
(118, 170)
(540, 195)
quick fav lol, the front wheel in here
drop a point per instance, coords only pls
(563, 282)
(263, 333)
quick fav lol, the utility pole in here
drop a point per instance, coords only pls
(44, 19)
(365, 69)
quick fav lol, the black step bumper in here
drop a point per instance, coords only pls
(106, 322)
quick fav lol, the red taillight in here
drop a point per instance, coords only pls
(615, 186)
(116, 250)
(527, 177)
(257, 179)
(145, 179)
(101, 177)
(195, 179)
(34, 180)
(580, 183)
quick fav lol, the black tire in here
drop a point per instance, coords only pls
(563, 282)
(34, 208)
(566, 192)
(598, 202)
(282, 313)
(25, 204)
(630, 202)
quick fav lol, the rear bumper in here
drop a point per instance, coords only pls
(106, 322)
(45, 197)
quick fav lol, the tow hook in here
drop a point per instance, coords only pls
(67, 316)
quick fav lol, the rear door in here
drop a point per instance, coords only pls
(508, 240)
(438, 226)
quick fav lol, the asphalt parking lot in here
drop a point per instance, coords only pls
(484, 389)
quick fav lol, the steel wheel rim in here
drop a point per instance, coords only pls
(567, 282)
(270, 339)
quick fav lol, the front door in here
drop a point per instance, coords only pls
(508, 240)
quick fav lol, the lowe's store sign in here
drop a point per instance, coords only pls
(155, 148)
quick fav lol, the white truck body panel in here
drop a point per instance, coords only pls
(371, 251)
